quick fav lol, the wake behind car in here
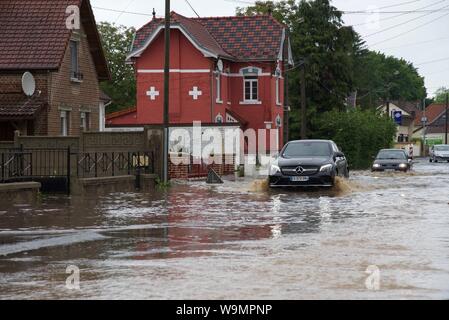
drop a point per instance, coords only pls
(308, 163)
(392, 160)
(439, 153)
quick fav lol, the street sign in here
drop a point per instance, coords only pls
(424, 119)
(397, 117)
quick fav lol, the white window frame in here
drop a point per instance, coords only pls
(278, 91)
(251, 86)
(64, 123)
(85, 120)
(218, 89)
(73, 78)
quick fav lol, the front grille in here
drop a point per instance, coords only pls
(291, 171)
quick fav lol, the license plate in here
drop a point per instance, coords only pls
(299, 179)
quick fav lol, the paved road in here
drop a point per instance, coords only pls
(237, 241)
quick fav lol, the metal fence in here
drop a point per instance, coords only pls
(54, 168)
(111, 164)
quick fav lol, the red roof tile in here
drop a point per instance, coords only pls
(239, 38)
(33, 34)
(433, 112)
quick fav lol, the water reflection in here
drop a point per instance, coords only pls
(186, 240)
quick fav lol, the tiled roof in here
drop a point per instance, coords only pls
(247, 38)
(121, 113)
(433, 112)
(238, 38)
(19, 106)
(33, 34)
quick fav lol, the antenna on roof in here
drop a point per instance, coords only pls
(154, 14)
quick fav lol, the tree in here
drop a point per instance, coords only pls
(117, 41)
(319, 38)
(440, 95)
(379, 78)
(337, 62)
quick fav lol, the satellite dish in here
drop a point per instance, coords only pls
(220, 65)
(28, 84)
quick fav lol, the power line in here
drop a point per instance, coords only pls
(415, 43)
(403, 23)
(432, 61)
(413, 29)
(399, 15)
(191, 7)
(122, 11)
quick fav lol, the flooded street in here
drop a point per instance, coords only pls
(236, 241)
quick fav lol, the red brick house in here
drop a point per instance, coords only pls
(67, 65)
(223, 70)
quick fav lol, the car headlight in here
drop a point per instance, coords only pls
(274, 169)
(403, 165)
(376, 165)
(326, 168)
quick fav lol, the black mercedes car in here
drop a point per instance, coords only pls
(392, 160)
(308, 163)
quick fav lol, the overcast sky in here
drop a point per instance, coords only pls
(421, 41)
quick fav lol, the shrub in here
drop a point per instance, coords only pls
(360, 134)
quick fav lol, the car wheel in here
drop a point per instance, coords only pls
(435, 160)
(430, 160)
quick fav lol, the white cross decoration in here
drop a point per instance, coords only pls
(153, 93)
(195, 93)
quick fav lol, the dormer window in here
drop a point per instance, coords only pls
(75, 74)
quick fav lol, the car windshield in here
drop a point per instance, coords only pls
(442, 148)
(307, 149)
(391, 154)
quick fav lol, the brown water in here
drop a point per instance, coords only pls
(236, 241)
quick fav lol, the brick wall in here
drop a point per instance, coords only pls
(74, 96)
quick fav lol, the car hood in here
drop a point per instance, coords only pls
(390, 161)
(442, 153)
(316, 161)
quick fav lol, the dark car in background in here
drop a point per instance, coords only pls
(308, 163)
(392, 160)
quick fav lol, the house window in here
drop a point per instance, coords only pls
(74, 61)
(65, 123)
(85, 121)
(278, 91)
(251, 89)
(218, 84)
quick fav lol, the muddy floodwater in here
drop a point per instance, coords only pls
(378, 236)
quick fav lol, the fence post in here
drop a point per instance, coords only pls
(69, 169)
(3, 167)
(129, 163)
(96, 165)
(113, 164)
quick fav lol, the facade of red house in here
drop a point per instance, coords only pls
(222, 70)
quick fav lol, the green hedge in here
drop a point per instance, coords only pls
(360, 134)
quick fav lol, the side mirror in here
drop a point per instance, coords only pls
(339, 154)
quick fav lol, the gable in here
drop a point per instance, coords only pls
(34, 36)
(255, 38)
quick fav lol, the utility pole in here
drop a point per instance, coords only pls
(447, 120)
(166, 90)
(302, 76)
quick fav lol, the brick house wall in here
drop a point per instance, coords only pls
(74, 96)
(61, 93)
